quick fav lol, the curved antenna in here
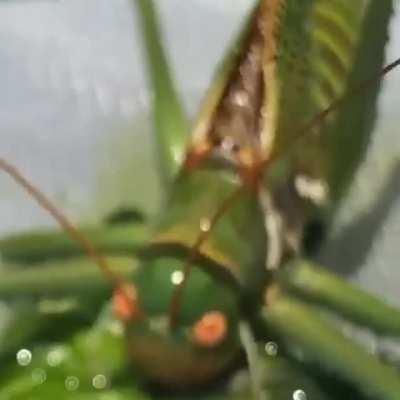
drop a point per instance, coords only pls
(75, 234)
(335, 105)
(303, 131)
(176, 301)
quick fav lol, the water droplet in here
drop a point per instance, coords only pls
(71, 383)
(99, 382)
(271, 348)
(299, 395)
(177, 277)
(39, 376)
(24, 357)
(56, 356)
(205, 224)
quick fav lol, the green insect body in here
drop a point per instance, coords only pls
(313, 64)
(263, 164)
(271, 88)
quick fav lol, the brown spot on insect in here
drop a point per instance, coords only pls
(210, 330)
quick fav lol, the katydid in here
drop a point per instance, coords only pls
(275, 146)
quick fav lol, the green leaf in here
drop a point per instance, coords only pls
(171, 127)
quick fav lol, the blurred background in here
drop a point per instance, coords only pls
(74, 116)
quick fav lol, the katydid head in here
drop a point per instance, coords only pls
(203, 343)
(198, 348)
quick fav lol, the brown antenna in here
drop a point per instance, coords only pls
(75, 234)
(203, 235)
(193, 251)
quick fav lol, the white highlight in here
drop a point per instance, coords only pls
(99, 382)
(24, 357)
(71, 383)
(177, 277)
(312, 189)
(241, 99)
(56, 356)
(273, 226)
(205, 224)
(299, 395)
(271, 348)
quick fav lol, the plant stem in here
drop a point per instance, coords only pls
(170, 121)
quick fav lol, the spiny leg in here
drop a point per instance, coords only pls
(314, 340)
(41, 245)
(318, 286)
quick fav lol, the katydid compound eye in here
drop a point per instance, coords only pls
(210, 330)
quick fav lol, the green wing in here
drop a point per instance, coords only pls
(323, 49)
(292, 60)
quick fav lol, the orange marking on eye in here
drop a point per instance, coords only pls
(211, 329)
(125, 303)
